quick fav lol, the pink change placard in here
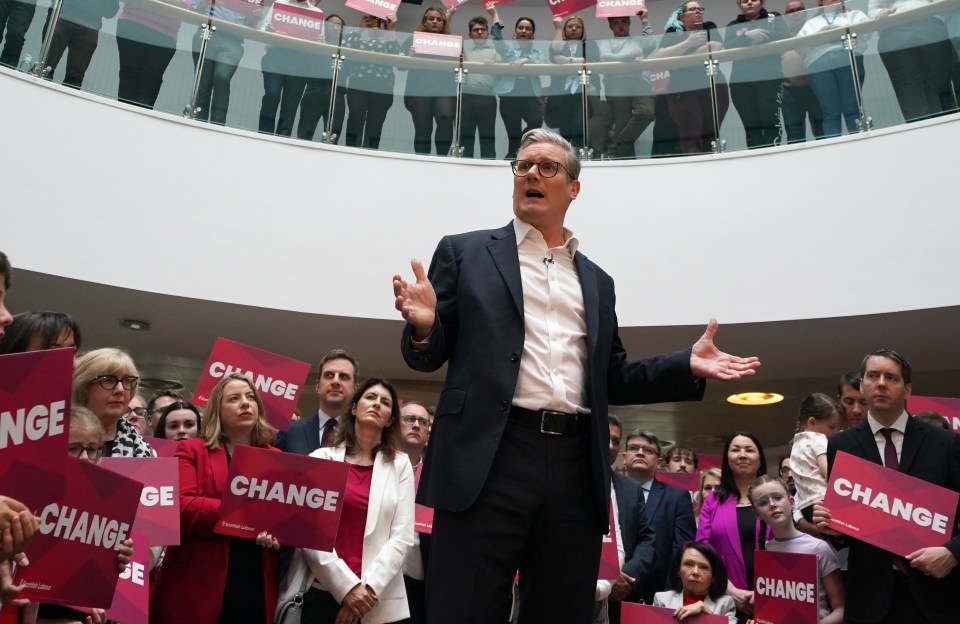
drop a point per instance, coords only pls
(689, 481)
(73, 558)
(888, 508)
(162, 446)
(279, 379)
(706, 461)
(131, 601)
(296, 498)
(437, 44)
(786, 586)
(633, 613)
(609, 559)
(297, 21)
(378, 8)
(35, 391)
(563, 8)
(947, 407)
(619, 8)
(422, 515)
(158, 517)
(246, 8)
(452, 3)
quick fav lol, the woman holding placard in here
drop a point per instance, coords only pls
(431, 95)
(211, 578)
(698, 583)
(363, 577)
(726, 518)
(104, 382)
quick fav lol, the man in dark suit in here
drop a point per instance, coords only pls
(518, 469)
(882, 587)
(635, 530)
(669, 508)
(337, 380)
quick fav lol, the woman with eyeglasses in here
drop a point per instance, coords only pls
(688, 96)
(238, 576)
(38, 331)
(104, 382)
(727, 521)
(362, 580)
(137, 413)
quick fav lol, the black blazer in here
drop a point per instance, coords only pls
(303, 436)
(635, 529)
(479, 333)
(670, 510)
(930, 454)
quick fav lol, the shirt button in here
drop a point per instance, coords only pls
(514, 357)
(503, 406)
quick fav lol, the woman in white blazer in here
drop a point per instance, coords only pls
(362, 580)
(698, 584)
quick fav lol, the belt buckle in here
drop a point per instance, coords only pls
(548, 417)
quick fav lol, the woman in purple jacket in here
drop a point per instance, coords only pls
(727, 521)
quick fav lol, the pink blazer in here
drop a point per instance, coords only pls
(718, 527)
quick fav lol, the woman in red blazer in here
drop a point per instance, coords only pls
(211, 578)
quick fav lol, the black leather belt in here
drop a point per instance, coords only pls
(549, 422)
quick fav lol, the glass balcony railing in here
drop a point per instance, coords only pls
(291, 71)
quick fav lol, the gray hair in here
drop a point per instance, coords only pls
(542, 135)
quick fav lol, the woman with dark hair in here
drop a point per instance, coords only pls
(430, 95)
(363, 576)
(370, 93)
(37, 331)
(727, 521)
(178, 421)
(698, 584)
(519, 93)
(238, 576)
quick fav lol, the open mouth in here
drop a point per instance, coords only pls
(533, 193)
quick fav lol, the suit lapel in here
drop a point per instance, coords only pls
(312, 433)
(868, 444)
(913, 435)
(378, 483)
(656, 497)
(503, 249)
(591, 301)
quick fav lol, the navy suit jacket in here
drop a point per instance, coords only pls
(930, 454)
(670, 510)
(479, 333)
(635, 529)
(303, 436)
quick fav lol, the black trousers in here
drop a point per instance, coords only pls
(368, 111)
(478, 116)
(520, 111)
(144, 56)
(536, 516)
(918, 58)
(315, 106)
(78, 42)
(16, 17)
(425, 110)
(319, 607)
(758, 104)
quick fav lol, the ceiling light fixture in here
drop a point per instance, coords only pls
(135, 325)
(755, 398)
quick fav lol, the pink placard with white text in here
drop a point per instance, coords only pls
(377, 8)
(619, 8)
(689, 481)
(162, 446)
(422, 515)
(887, 508)
(298, 499)
(949, 408)
(449, 4)
(633, 613)
(298, 21)
(279, 379)
(786, 588)
(73, 557)
(35, 392)
(131, 601)
(437, 44)
(158, 517)
(563, 8)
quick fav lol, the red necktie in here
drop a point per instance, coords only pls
(889, 450)
(329, 432)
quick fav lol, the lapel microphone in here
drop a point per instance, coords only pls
(548, 260)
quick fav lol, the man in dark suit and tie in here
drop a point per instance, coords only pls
(880, 586)
(635, 529)
(518, 470)
(669, 508)
(337, 380)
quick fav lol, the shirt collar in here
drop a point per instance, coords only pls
(900, 424)
(524, 230)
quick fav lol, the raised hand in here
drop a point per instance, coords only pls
(417, 301)
(709, 362)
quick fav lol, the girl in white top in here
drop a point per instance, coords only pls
(820, 417)
(772, 505)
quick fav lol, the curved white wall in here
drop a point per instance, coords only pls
(851, 226)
